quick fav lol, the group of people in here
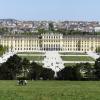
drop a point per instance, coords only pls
(22, 82)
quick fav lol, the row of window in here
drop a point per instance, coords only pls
(76, 45)
(71, 49)
(51, 37)
(26, 48)
(49, 45)
(51, 41)
(68, 49)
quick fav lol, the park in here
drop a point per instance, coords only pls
(50, 90)
(74, 80)
(49, 50)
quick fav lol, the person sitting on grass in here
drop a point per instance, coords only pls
(25, 82)
(22, 81)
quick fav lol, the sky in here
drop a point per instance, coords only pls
(78, 10)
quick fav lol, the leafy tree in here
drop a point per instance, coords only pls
(4, 72)
(51, 27)
(41, 31)
(3, 49)
(89, 71)
(63, 31)
(78, 72)
(4, 30)
(47, 74)
(66, 73)
(14, 64)
(11, 68)
(83, 71)
(35, 71)
(24, 69)
(97, 68)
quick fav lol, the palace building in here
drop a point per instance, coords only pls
(50, 42)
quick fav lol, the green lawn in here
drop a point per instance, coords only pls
(30, 53)
(34, 58)
(77, 58)
(72, 53)
(50, 90)
(69, 64)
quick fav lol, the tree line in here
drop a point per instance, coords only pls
(16, 67)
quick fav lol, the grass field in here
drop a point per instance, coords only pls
(69, 64)
(30, 53)
(33, 58)
(50, 90)
(77, 58)
(72, 53)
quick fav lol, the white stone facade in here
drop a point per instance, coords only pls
(51, 42)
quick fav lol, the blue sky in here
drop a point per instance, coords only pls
(50, 9)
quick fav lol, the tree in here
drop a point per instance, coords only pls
(11, 68)
(63, 31)
(3, 49)
(76, 72)
(35, 71)
(47, 74)
(97, 68)
(4, 30)
(14, 64)
(89, 71)
(65, 74)
(24, 69)
(4, 72)
(41, 31)
(51, 27)
(83, 71)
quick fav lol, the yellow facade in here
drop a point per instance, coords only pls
(52, 42)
